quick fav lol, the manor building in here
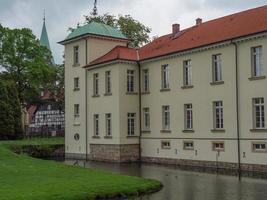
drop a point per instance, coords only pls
(192, 97)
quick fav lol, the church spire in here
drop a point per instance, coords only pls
(44, 41)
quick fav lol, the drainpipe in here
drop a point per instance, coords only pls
(140, 101)
(237, 108)
(86, 136)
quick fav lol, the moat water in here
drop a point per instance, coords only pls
(186, 185)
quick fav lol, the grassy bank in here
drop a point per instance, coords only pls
(26, 178)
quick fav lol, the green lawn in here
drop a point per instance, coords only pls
(26, 178)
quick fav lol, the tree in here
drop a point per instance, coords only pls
(25, 61)
(134, 30)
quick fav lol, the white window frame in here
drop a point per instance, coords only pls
(256, 61)
(76, 55)
(96, 124)
(187, 73)
(188, 147)
(217, 67)
(131, 121)
(76, 83)
(146, 114)
(166, 118)
(146, 80)
(218, 121)
(96, 84)
(165, 76)
(76, 110)
(218, 146)
(258, 113)
(259, 147)
(108, 125)
(130, 80)
(108, 82)
(188, 116)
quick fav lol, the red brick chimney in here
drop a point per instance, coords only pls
(175, 28)
(198, 21)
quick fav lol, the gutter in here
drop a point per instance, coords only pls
(140, 106)
(237, 108)
(86, 134)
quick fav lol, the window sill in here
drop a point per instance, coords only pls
(77, 124)
(96, 137)
(257, 130)
(217, 83)
(165, 89)
(166, 148)
(76, 65)
(258, 151)
(108, 137)
(144, 93)
(76, 89)
(254, 78)
(218, 150)
(146, 131)
(187, 86)
(131, 93)
(107, 94)
(217, 130)
(188, 131)
(165, 131)
(188, 149)
(95, 95)
(132, 136)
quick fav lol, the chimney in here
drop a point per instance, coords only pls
(198, 21)
(175, 28)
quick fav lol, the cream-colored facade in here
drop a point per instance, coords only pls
(236, 90)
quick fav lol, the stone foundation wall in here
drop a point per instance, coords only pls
(114, 152)
(250, 170)
(75, 156)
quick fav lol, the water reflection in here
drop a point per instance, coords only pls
(185, 185)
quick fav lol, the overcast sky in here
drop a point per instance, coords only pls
(157, 14)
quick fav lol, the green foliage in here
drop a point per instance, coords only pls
(26, 178)
(137, 32)
(25, 61)
(10, 111)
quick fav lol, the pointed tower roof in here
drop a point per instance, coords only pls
(44, 41)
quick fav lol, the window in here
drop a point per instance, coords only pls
(131, 124)
(76, 55)
(165, 144)
(95, 84)
(146, 119)
(188, 116)
(258, 113)
(108, 124)
(217, 68)
(218, 146)
(218, 115)
(108, 82)
(188, 145)
(76, 110)
(187, 73)
(76, 83)
(130, 80)
(166, 117)
(146, 80)
(96, 125)
(259, 147)
(256, 61)
(165, 76)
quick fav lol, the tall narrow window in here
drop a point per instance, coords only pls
(166, 117)
(76, 110)
(96, 124)
(76, 83)
(256, 60)
(258, 113)
(165, 76)
(146, 119)
(108, 124)
(108, 82)
(188, 116)
(131, 123)
(187, 73)
(217, 68)
(76, 55)
(130, 80)
(218, 114)
(146, 80)
(95, 84)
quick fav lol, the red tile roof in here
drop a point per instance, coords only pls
(218, 30)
